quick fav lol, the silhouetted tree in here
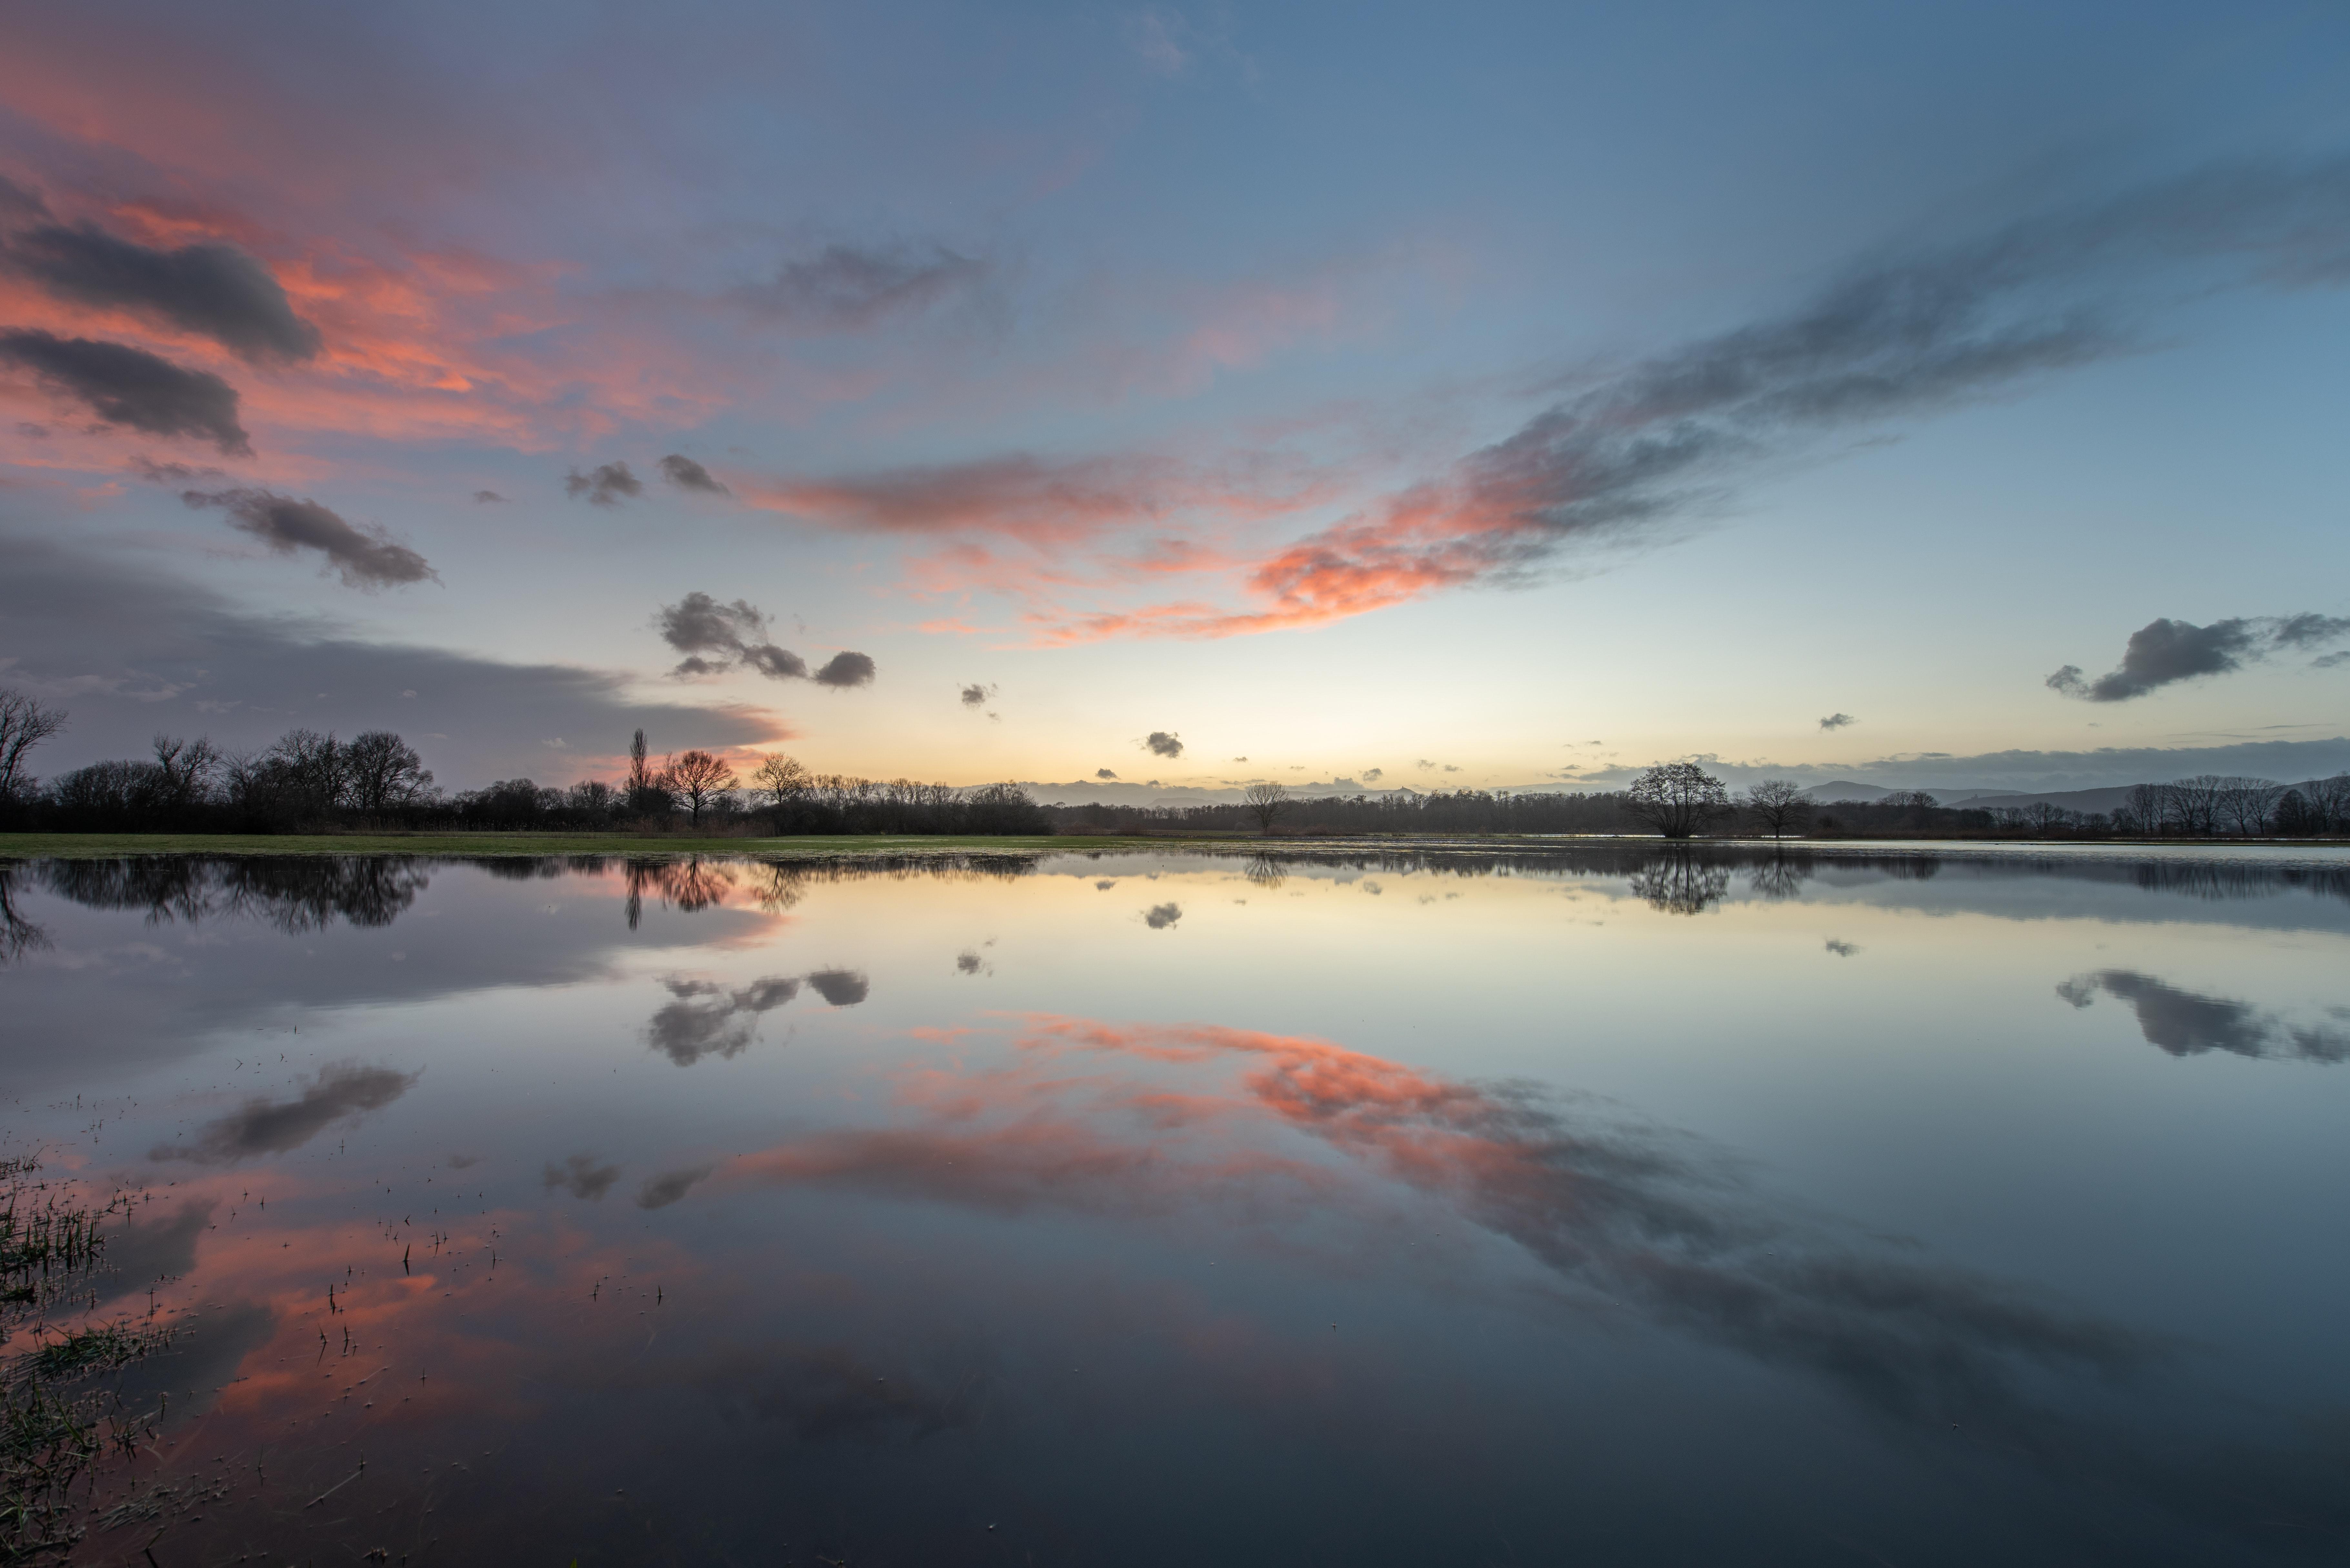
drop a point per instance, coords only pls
(384, 771)
(2329, 803)
(25, 723)
(185, 771)
(2294, 818)
(781, 779)
(645, 793)
(1265, 802)
(697, 777)
(1676, 798)
(2244, 804)
(1778, 804)
(2192, 805)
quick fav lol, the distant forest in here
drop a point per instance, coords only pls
(307, 781)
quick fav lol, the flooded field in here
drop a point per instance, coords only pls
(1605, 1207)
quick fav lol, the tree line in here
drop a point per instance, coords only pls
(306, 779)
(1681, 800)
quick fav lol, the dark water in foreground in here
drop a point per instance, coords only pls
(1606, 1208)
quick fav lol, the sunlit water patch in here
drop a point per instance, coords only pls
(1609, 1205)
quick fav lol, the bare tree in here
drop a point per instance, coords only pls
(645, 792)
(2043, 816)
(1676, 798)
(24, 724)
(2245, 804)
(698, 778)
(384, 771)
(184, 770)
(781, 779)
(2148, 807)
(2329, 803)
(1265, 802)
(315, 768)
(2194, 804)
(1778, 804)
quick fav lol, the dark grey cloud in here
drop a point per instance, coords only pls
(141, 648)
(366, 558)
(1158, 917)
(1105, 773)
(1373, 775)
(845, 289)
(661, 1191)
(263, 1126)
(843, 670)
(210, 288)
(840, 987)
(582, 1177)
(716, 638)
(706, 1020)
(488, 498)
(2164, 651)
(130, 387)
(603, 485)
(1837, 721)
(1159, 742)
(978, 694)
(2188, 1023)
(688, 474)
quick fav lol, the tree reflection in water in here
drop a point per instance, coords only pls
(1681, 883)
(692, 885)
(19, 936)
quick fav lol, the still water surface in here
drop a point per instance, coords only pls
(1601, 1206)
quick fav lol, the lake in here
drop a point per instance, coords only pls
(1912, 1205)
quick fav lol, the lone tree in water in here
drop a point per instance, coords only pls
(1676, 798)
(696, 778)
(1265, 802)
(1778, 805)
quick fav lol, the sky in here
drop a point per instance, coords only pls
(1144, 399)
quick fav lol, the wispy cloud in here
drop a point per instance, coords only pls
(845, 289)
